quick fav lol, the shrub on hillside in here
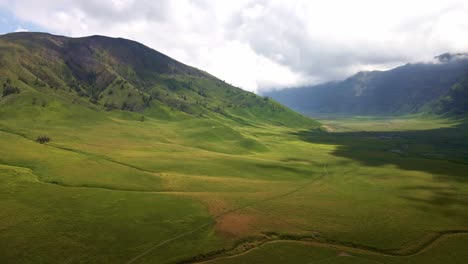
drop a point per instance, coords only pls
(42, 139)
(8, 89)
(128, 106)
(94, 100)
(110, 106)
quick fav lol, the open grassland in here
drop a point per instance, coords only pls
(113, 187)
(386, 124)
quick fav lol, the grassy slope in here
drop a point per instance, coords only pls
(45, 223)
(393, 202)
(348, 187)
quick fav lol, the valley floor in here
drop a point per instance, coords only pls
(116, 189)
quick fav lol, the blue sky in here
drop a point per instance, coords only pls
(10, 23)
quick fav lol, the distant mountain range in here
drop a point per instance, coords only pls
(105, 73)
(440, 87)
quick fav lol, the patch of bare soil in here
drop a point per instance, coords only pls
(236, 224)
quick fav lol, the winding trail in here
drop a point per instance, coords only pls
(146, 252)
(318, 242)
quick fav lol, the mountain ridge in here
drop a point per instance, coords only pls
(406, 89)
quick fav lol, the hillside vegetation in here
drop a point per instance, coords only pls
(455, 101)
(106, 73)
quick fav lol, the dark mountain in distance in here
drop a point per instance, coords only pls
(115, 73)
(455, 101)
(407, 89)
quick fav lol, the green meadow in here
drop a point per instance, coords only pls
(168, 187)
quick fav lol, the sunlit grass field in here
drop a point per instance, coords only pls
(113, 187)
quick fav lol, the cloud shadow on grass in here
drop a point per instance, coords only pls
(441, 152)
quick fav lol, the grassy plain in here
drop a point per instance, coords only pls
(111, 188)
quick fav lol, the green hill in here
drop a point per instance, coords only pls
(108, 73)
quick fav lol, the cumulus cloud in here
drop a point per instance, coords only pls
(336, 38)
(259, 44)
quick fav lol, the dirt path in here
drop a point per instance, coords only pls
(146, 252)
(343, 246)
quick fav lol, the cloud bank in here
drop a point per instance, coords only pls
(259, 44)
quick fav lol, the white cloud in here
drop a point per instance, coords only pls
(257, 43)
(21, 29)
